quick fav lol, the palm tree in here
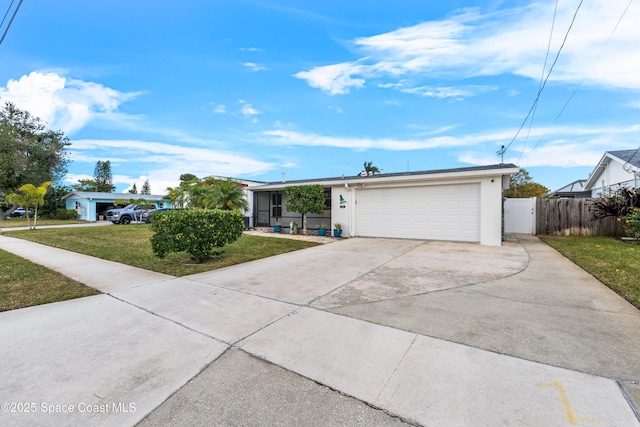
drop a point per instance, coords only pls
(229, 195)
(370, 169)
(32, 198)
(176, 196)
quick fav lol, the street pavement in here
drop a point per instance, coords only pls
(356, 332)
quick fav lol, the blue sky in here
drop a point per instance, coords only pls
(252, 89)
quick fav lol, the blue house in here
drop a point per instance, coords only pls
(92, 206)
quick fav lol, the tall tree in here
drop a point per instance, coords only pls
(304, 199)
(29, 152)
(134, 189)
(522, 186)
(85, 185)
(103, 177)
(146, 188)
(31, 197)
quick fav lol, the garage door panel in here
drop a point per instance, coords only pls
(446, 212)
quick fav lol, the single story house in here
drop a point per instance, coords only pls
(91, 206)
(575, 190)
(614, 170)
(463, 204)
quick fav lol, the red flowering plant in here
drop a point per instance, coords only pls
(631, 222)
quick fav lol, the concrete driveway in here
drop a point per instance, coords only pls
(357, 332)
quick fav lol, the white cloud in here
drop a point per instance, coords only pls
(251, 49)
(219, 109)
(249, 111)
(556, 146)
(442, 92)
(512, 41)
(64, 103)
(284, 137)
(254, 67)
(335, 79)
(633, 104)
(162, 162)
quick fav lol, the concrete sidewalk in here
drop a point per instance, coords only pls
(357, 332)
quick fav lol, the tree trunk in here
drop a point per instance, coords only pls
(304, 223)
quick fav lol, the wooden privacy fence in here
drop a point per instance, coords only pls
(573, 217)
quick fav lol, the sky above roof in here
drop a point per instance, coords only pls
(255, 89)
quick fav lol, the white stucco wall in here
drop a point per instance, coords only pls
(490, 209)
(611, 178)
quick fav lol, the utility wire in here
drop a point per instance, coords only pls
(624, 12)
(535, 102)
(6, 13)
(573, 93)
(544, 67)
(11, 21)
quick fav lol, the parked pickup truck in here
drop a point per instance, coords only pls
(128, 213)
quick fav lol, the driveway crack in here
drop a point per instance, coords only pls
(396, 370)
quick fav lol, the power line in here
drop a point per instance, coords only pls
(624, 12)
(11, 21)
(573, 93)
(544, 67)
(535, 102)
(6, 13)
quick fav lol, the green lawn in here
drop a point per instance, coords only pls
(613, 262)
(23, 284)
(130, 244)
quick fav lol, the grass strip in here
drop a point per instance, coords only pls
(614, 262)
(130, 244)
(24, 284)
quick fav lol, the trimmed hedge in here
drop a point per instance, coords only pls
(200, 233)
(61, 213)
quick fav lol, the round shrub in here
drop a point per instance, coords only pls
(200, 233)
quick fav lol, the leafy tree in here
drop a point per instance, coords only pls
(86, 185)
(134, 189)
(522, 186)
(28, 153)
(186, 177)
(103, 178)
(304, 199)
(370, 169)
(32, 197)
(53, 200)
(146, 188)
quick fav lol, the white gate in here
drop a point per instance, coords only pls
(520, 216)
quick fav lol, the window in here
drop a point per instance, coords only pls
(327, 198)
(276, 205)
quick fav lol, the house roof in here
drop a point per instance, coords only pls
(574, 187)
(624, 157)
(111, 196)
(500, 169)
(627, 156)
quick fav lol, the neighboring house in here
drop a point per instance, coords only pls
(90, 205)
(463, 204)
(575, 190)
(616, 169)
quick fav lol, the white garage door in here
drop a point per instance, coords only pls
(443, 212)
